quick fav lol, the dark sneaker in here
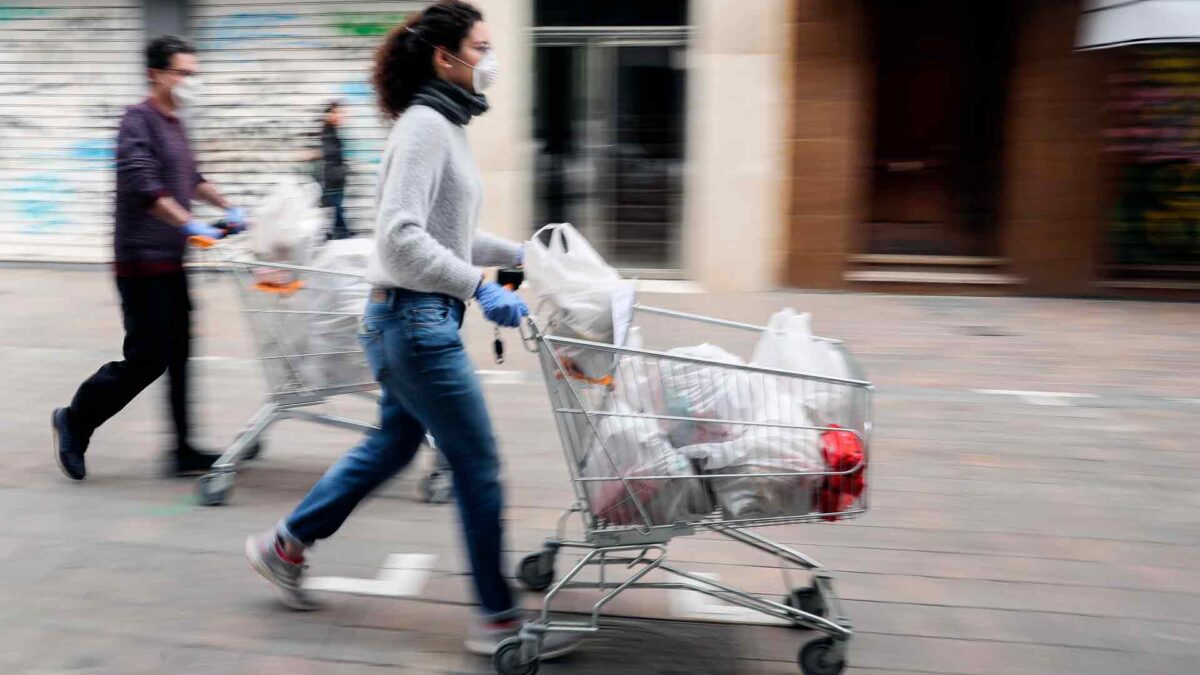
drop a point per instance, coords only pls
(288, 577)
(192, 462)
(483, 637)
(68, 446)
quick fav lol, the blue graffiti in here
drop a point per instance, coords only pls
(37, 212)
(357, 92)
(248, 26)
(99, 153)
(362, 152)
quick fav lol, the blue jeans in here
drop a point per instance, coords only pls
(413, 345)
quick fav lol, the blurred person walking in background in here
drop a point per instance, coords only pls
(157, 178)
(334, 171)
(430, 74)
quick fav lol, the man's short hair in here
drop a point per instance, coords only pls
(161, 49)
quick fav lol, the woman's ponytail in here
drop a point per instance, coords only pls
(404, 62)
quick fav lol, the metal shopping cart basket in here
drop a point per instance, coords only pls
(282, 306)
(663, 445)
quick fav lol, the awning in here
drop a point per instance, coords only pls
(1116, 23)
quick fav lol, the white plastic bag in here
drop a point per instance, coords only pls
(785, 449)
(702, 392)
(580, 297)
(288, 221)
(632, 447)
(567, 274)
(338, 303)
(789, 344)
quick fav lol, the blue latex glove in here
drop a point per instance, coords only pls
(235, 217)
(199, 229)
(500, 305)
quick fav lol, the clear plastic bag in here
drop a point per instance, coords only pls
(788, 448)
(635, 448)
(339, 302)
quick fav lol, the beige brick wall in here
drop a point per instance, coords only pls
(1055, 184)
(827, 140)
(736, 182)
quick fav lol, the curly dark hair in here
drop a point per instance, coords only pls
(404, 62)
(161, 49)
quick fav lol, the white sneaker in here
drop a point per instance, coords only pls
(287, 577)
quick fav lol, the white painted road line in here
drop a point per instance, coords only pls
(403, 575)
(1050, 398)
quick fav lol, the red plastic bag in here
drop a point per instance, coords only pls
(842, 451)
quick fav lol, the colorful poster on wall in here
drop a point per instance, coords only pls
(1156, 134)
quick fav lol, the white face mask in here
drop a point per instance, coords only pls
(187, 94)
(485, 73)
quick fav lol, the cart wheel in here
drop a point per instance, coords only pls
(436, 488)
(815, 658)
(253, 451)
(213, 489)
(807, 599)
(507, 659)
(536, 570)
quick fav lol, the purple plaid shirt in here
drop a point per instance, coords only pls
(153, 160)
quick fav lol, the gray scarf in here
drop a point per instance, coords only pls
(455, 103)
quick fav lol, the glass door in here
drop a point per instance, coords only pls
(609, 122)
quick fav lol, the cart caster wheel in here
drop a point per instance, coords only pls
(807, 599)
(252, 451)
(816, 658)
(536, 570)
(507, 659)
(213, 489)
(436, 488)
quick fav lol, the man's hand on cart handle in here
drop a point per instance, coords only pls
(202, 234)
(235, 220)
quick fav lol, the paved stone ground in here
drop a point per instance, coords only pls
(1010, 532)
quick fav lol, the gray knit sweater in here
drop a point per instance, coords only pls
(428, 208)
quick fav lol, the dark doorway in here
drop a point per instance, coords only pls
(942, 70)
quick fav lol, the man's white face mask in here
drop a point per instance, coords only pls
(187, 94)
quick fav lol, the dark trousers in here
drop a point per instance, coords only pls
(336, 199)
(157, 317)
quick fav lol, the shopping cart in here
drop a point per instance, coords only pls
(744, 461)
(278, 300)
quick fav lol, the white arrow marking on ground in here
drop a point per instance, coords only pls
(692, 605)
(1052, 398)
(403, 575)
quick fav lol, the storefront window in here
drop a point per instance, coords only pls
(1155, 135)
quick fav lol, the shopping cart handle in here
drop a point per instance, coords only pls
(510, 277)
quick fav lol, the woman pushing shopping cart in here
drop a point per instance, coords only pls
(430, 75)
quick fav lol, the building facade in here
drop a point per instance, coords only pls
(918, 146)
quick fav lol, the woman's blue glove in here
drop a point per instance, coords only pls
(500, 305)
(199, 229)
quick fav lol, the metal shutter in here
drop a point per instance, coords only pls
(269, 68)
(68, 68)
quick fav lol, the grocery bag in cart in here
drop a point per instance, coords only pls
(287, 227)
(579, 295)
(335, 301)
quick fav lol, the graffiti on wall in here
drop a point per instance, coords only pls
(270, 76)
(59, 119)
(1156, 105)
